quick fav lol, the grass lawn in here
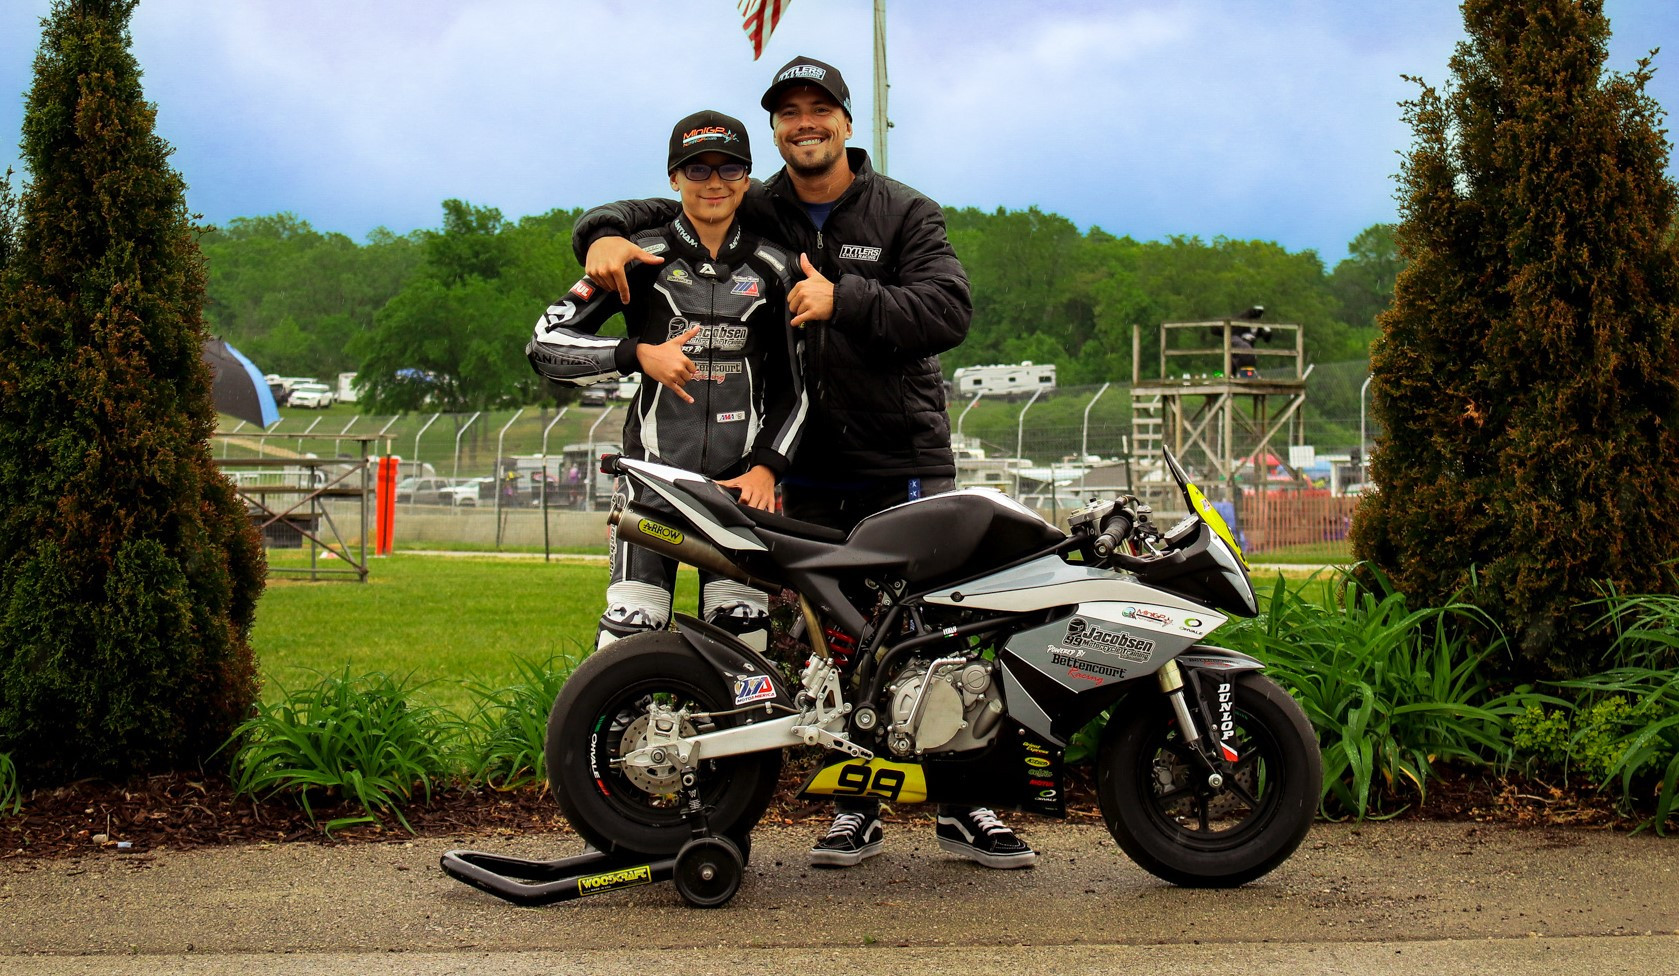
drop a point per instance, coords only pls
(453, 621)
(457, 622)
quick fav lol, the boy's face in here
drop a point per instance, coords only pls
(713, 199)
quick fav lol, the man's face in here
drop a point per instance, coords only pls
(713, 199)
(810, 130)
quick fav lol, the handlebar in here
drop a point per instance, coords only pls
(1116, 528)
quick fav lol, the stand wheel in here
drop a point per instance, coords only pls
(708, 871)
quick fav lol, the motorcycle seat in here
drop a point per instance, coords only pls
(791, 526)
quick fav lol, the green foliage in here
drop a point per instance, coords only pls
(1046, 293)
(453, 338)
(1636, 744)
(8, 220)
(129, 572)
(1363, 281)
(1645, 625)
(294, 299)
(1586, 740)
(11, 798)
(359, 740)
(1527, 376)
(509, 725)
(1391, 691)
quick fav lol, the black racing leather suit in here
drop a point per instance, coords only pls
(749, 400)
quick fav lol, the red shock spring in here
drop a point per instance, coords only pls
(841, 646)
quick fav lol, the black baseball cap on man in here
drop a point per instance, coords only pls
(705, 132)
(808, 71)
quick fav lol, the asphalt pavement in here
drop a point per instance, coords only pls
(1434, 898)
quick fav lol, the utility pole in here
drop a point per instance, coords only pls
(881, 122)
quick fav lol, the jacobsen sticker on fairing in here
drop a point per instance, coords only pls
(1104, 643)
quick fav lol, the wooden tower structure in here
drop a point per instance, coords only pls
(1221, 420)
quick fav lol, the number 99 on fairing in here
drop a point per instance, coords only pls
(877, 778)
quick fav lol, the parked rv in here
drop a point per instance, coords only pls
(1017, 380)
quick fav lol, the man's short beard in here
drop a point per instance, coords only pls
(820, 169)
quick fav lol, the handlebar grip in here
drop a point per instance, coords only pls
(1116, 529)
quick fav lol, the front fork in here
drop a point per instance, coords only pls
(1217, 758)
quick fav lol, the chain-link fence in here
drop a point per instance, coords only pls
(1051, 450)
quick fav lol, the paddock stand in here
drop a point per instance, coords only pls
(707, 872)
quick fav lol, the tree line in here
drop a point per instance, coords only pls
(438, 317)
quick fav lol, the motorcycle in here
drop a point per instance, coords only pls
(957, 644)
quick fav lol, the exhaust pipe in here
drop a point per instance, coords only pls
(653, 532)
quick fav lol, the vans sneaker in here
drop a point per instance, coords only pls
(977, 834)
(853, 837)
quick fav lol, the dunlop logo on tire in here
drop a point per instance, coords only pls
(665, 532)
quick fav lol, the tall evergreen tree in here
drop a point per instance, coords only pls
(129, 572)
(1527, 376)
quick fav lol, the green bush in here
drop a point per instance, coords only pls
(1629, 733)
(1391, 691)
(359, 740)
(129, 570)
(11, 799)
(509, 725)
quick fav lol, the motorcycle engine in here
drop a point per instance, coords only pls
(960, 707)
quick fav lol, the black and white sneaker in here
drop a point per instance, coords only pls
(977, 834)
(853, 837)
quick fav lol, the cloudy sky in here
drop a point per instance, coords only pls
(1270, 119)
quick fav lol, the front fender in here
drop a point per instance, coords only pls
(736, 662)
(1206, 657)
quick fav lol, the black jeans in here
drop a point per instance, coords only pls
(841, 506)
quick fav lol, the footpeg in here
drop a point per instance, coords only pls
(810, 735)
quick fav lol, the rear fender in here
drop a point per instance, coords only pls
(742, 668)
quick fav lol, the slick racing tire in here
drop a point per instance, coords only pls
(1155, 798)
(601, 714)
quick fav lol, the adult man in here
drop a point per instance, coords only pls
(707, 313)
(883, 295)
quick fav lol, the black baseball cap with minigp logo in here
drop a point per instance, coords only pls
(808, 71)
(705, 132)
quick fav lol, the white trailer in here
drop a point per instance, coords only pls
(1022, 378)
(346, 388)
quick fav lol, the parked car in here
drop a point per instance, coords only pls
(316, 396)
(421, 491)
(466, 493)
(594, 396)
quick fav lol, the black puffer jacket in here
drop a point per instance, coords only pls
(900, 299)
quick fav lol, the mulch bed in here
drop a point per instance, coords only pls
(179, 811)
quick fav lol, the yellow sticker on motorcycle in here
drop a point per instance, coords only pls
(895, 782)
(1210, 515)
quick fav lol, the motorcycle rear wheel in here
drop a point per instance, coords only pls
(1154, 797)
(596, 719)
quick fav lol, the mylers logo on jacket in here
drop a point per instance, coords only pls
(857, 252)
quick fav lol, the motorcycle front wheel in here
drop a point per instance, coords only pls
(602, 714)
(1158, 805)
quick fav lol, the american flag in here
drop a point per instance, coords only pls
(761, 16)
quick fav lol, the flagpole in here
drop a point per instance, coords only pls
(881, 123)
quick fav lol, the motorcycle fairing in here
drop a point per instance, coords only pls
(1051, 581)
(718, 519)
(1073, 666)
(1019, 770)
